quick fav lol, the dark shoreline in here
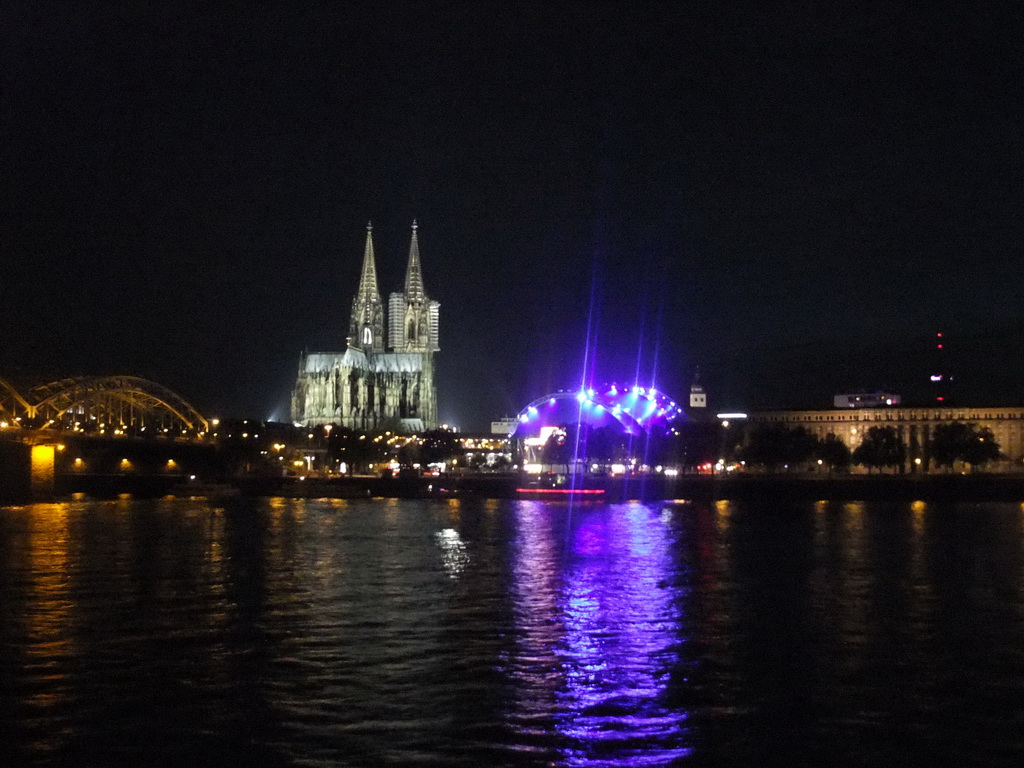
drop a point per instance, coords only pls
(903, 488)
(898, 488)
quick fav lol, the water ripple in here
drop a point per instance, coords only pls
(371, 633)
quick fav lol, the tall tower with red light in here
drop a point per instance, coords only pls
(940, 376)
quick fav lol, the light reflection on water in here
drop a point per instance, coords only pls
(48, 621)
(453, 551)
(622, 623)
(466, 633)
(598, 621)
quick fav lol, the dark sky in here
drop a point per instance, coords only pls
(183, 192)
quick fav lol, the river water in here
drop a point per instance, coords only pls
(511, 633)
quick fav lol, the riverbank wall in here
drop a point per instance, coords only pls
(14, 487)
(902, 488)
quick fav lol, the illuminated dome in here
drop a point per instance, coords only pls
(632, 409)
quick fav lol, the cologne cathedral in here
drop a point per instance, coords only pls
(373, 384)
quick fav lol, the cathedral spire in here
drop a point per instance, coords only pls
(414, 292)
(368, 290)
(366, 328)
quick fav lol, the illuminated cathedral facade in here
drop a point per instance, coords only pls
(385, 377)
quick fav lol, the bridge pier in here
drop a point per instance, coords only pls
(27, 472)
(44, 476)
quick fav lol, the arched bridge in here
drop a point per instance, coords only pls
(102, 404)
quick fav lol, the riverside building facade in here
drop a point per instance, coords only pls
(385, 376)
(915, 427)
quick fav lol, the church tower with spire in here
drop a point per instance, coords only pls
(369, 385)
(698, 397)
(366, 327)
(412, 317)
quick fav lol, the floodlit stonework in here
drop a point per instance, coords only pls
(376, 382)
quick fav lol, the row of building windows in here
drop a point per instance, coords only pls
(1014, 415)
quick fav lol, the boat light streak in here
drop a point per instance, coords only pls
(561, 490)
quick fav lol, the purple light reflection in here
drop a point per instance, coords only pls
(595, 652)
(533, 670)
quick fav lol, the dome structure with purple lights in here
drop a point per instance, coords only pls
(634, 410)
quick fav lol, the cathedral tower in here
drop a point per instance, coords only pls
(413, 319)
(366, 328)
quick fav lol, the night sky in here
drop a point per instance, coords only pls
(184, 192)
